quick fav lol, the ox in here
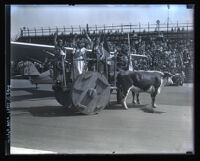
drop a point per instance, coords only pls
(140, 81)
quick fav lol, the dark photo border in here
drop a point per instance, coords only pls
(5, 61)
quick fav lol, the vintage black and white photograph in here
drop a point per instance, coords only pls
(102, 79)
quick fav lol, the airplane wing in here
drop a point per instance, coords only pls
(27, 51)
(32, 51)
(38, 52)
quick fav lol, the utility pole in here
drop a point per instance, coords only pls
(130, 64)
(167, 19)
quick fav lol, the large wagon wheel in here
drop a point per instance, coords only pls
(90, 93)
(62, 95)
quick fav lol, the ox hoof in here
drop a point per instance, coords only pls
(138, 103)
(134, 102)
(125, 107)
(154, 106)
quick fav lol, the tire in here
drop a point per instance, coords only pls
(63, 98)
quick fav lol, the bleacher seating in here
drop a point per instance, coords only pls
(119, 40)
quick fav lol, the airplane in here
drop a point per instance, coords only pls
(35, 76)
(29, 53)
(32, 52)
(31, 72)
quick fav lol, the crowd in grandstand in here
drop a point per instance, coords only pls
(173, 55)
(164, 54)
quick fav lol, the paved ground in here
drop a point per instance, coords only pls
(39, 122)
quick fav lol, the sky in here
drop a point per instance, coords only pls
(64, 15)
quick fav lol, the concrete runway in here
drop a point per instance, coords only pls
(39, 122)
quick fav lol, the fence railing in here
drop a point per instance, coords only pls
(138, 28)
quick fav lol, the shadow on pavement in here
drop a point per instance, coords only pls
(113, 105)
(35, 93)
(144, 107)
(151, 110)
(50, 111)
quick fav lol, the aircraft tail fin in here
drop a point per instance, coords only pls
(30, 69)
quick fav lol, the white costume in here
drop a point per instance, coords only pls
(79, 64)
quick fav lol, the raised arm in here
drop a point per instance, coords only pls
(88, 38)
(55, 38)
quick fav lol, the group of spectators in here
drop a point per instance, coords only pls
(163, 54)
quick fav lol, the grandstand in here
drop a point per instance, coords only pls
(172, 31)
(143, 39)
